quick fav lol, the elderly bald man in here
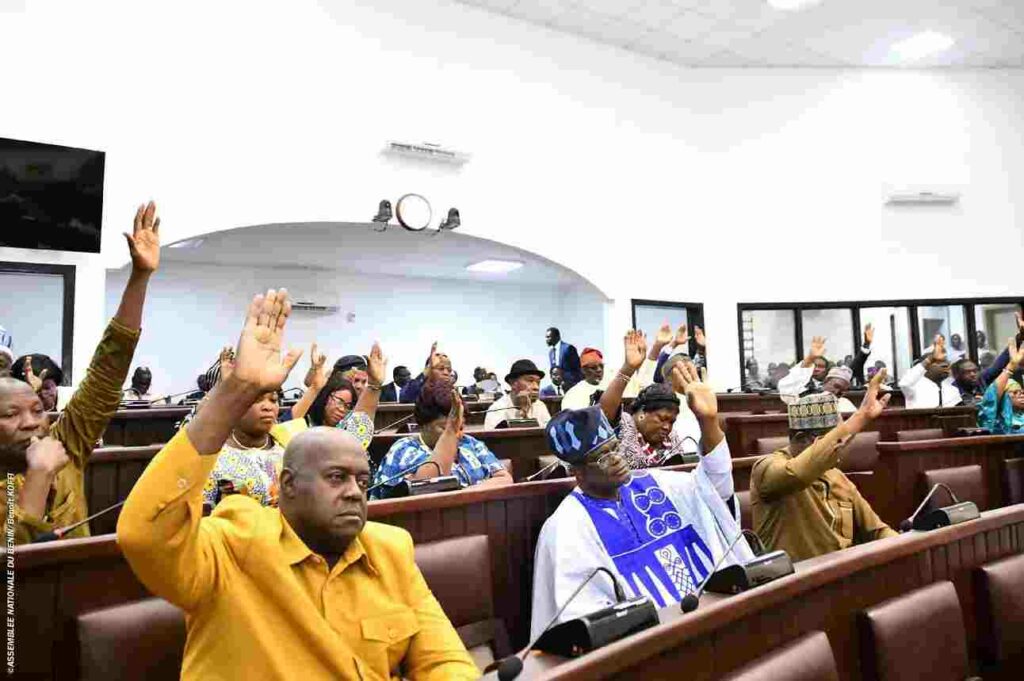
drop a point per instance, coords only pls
(48, 460)
(309, 587)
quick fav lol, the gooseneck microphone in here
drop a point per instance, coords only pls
(908, 524)
(512, 666)
(402, 473)
(59, 533)
(692, 599)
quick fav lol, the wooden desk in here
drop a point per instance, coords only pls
(135, 427)
(743, 430)
(825, 593)
(900, 463)
(522, 445)
(109, 477)
(389, 413)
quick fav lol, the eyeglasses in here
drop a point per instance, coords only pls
(334, 399)
(604, 461)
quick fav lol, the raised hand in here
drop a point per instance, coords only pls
(46, 455)
(317, 375)
(456, 421)
(1020, 328)
(872, 406)
(699, 394)
(635, 344)
(227, 362)
(664, 336)
(682, 336)
(698, 336)
(259, 362)
(1016, 355)
(869, 334)
(35, 382)
(144, 241)
(817, 347)
(376, 365)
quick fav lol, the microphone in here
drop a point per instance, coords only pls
(411, 416)
(908, 524)
(401, 474)
(59, 533)
(692, 599)
(511, 666)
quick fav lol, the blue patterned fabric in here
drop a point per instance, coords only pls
(572, 434)
(475, 462)
(646, 538)
(999, 416)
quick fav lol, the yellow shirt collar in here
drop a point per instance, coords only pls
(295, 550)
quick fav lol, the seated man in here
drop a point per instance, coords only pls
(142, 380)
(392, 392)
(660, 532)
(522, 403)
(440, 415)
(587, 392)
(804, 379)
(438, 367)
(927, 384)
(49, 463)
(309, 588)
(555, 388)
(801, 502)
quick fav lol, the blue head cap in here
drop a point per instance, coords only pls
(572, 434)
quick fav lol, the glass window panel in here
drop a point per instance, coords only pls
(994, 323)
(32, 312)
(892, 346)
(946, 321)
(649, 318)
(837, 328)
(769, 339)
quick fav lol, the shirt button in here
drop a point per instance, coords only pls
(392, 633)
(182, 483)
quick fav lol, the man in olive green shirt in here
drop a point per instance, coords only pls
(46, 463)
(801, 502)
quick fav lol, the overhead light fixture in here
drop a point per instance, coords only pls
(792, 5)
(187, 243)
(495, 266)
(921, 45)
(453, 221)
(383, 216)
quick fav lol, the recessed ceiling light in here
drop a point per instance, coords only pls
(495, 266)
(921, 45)
(187, 243)
(792, 5)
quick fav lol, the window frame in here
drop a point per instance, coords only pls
(67, 273)
(855, 306)
(694, 316)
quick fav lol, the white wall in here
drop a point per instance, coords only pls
(193, 310)
(650, 180)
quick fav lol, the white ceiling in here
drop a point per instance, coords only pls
(750, 33)
(358, 248)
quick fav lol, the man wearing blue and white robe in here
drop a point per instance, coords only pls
(660, 538)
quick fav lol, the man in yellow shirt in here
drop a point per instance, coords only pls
(800, 501)
(46, 462)
(309, 588)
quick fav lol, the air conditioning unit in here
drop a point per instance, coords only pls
(311, 305)
(922, 196)
(426, 151)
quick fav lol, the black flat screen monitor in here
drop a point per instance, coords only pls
(51, 197)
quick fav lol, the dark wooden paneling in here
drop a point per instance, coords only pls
(138, 427)
(825, 594)
(743, 430)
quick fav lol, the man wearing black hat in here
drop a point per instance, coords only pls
(521, 403)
